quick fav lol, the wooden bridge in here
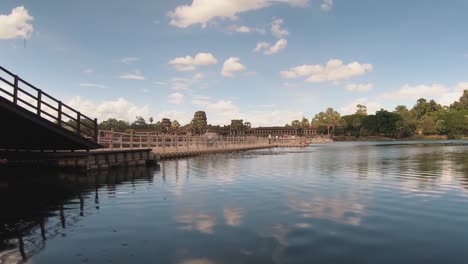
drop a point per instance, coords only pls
(34, 120)
(173, 146)
(40, 129)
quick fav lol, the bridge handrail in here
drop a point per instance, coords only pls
(113, 139)
(78, 120)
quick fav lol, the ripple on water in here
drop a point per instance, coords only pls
(340, 203)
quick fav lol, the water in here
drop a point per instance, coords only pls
(338, 203)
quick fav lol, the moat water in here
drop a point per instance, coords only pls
(338, 203)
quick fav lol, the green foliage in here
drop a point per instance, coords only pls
(237, 124)
(386, 123)
(305, 122)
(199, 125)
(428, 126)
(427, 117)
(361, 109)
(295, 124)
(456, 122)
(112, 123)
(175, 125)
(330, 119)
(462, 104)
(139, 123)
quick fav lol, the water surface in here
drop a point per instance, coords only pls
(338, 203)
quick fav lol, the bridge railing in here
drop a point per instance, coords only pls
(176, 143)
(33, 99)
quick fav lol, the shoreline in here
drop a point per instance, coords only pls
(381, 138)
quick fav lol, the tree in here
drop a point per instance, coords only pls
(112, 123)
(237, 124)
(330, 119)
(441, 128)
(456, 123)
(361, 109)
(387, 123)
(305, 123)
(248, 124)
(151, 120)
(410, 122)
(461, 104)
(175, 125)
(399, 125)
(357, 123)
(295, 124)
(139, 123)
(464, 100)
(428, 126)
(421, 108)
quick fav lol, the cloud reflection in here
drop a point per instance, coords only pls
(343, 210)
(197, 261)
(234, 216)
(202, 223)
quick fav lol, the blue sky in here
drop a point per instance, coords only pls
(266, 61)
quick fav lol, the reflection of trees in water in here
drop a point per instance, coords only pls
(432, 170)
(40, 205)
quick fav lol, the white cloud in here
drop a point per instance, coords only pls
(180, 116)
(269, 49)
(203, 11)
(88, 71)
(276, 29)
(93, 85)
(223, 106)
(120, 108)
(351, 108)
(274, 117)
(198, 77)
(136, 75)
(189, 63)
(231, 66)
(326, 5)
(185, 83)
(333, 71)
(359, 87)
(129, 60)
(408, 92)
(222, 112)
(438, 92)
(200, 100)
(17, 24)
(159, 83)
(176, 98)
(246, 29)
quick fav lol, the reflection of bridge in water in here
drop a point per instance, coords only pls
(35, 209)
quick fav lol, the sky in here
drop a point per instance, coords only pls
(264, 61)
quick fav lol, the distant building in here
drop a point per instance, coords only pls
(200, 126)
(166, 124)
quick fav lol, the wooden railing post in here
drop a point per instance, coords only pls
(78, 123)
(15, 90)
(39, 102)
(59, 117)
(96, 131)
(112, 139)
(131, 139)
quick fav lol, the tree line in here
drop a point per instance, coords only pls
(425, 118)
